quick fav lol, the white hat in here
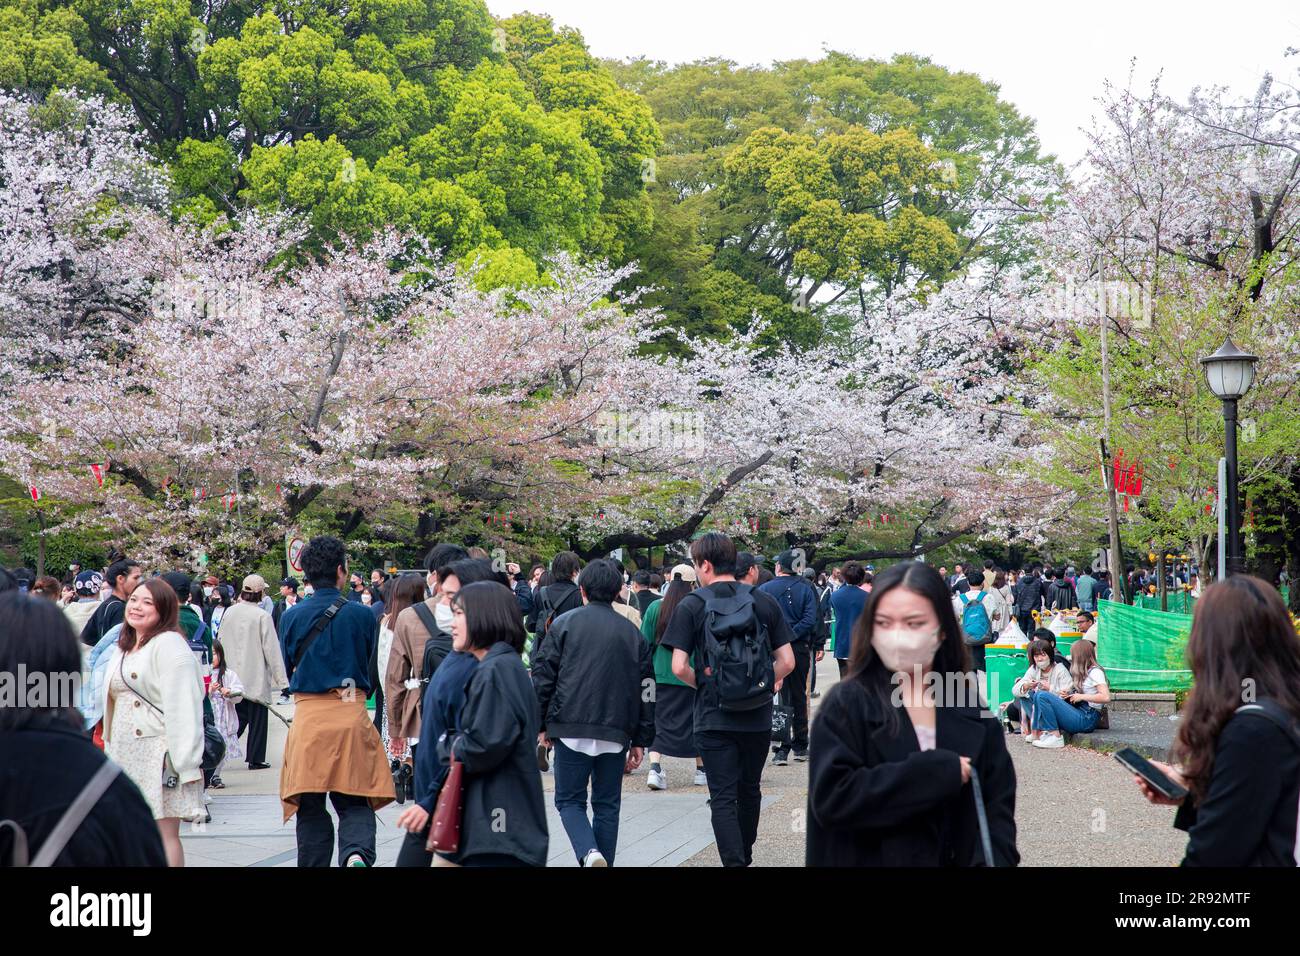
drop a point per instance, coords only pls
(684, 571)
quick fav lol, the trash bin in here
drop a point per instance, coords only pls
(1004, 664)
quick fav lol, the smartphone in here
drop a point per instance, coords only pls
(1152, 774)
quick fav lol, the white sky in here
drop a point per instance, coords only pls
(1050, 59)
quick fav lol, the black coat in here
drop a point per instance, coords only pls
(504, 811)
(875, 799)
(1030, 596)
(595, 678)
(41, 772)
(1248, 816)
(1060, 594)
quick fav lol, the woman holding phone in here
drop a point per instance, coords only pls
(1239, 737)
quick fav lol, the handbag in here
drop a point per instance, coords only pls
(444, 831)
(782, 722)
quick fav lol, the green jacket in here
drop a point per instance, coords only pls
(663, 656)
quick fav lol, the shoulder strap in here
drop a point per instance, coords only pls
(76, 813)
(426, 618)
(322, 622)
(1277, 716)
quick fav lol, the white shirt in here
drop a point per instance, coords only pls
(591, 747)
(1096, 678)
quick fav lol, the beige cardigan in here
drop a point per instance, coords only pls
(253, 651)
(166, 673)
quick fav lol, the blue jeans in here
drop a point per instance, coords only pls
(1052, 713)
(572, 772)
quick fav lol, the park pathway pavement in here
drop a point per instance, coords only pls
(1074, 807)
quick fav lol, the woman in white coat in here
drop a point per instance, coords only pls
(153, 711)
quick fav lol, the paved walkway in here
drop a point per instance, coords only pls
(1074, 807)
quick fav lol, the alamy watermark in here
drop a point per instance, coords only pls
(1091, 299)
(680, 431)
(40, 690)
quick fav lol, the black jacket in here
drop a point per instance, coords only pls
(596, 677)
(504, 811)
(1248, 816)
(524, 597)
(1061, 595)
(1030, 597)
(108, 615)
(876, 799)
(42, 769)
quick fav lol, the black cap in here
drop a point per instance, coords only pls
(179, 582)
(290, 583)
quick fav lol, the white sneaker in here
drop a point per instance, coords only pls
(1028, 739)
(1055, 742)
(594, 858)
(700, 779)
(656, 781)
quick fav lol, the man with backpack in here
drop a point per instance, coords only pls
(976, 609)
(798, 602)
(557, 598)
(742, 643)
(122, 577)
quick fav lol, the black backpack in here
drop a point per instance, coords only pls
(738, 650)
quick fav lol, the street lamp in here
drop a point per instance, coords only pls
(1230, 372)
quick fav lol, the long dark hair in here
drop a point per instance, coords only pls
(219, 651)
(168, 606)
(406, 590)
(677, 589)
(491, 614)
(1242, 648)
(866, 667)
(35, 634)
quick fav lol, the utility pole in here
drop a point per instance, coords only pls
(1119, 581)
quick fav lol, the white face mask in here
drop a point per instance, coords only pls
(905, 650)
(443, 614)
(207, 591)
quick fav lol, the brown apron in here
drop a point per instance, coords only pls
(333, 747)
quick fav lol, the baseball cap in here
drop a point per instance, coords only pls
(179, 582)
(89, 583)
(254, 582)
(685, 571)
(290, 582)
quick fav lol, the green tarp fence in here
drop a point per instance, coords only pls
(1182, 602)
(1143, 649)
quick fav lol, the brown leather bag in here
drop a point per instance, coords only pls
(444, 831)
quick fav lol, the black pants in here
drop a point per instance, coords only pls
(794, 693)
(843, 663)
(733, 763)
(412, 852)
(253, 716)
(316, 829)
(1026, 621)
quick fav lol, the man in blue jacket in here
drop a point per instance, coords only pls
(799, 605)
(329, 647)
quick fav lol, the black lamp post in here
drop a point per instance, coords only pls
(1230, 372)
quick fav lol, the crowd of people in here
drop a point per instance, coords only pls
(484, 678)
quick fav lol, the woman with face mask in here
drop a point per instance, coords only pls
(902, 749)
